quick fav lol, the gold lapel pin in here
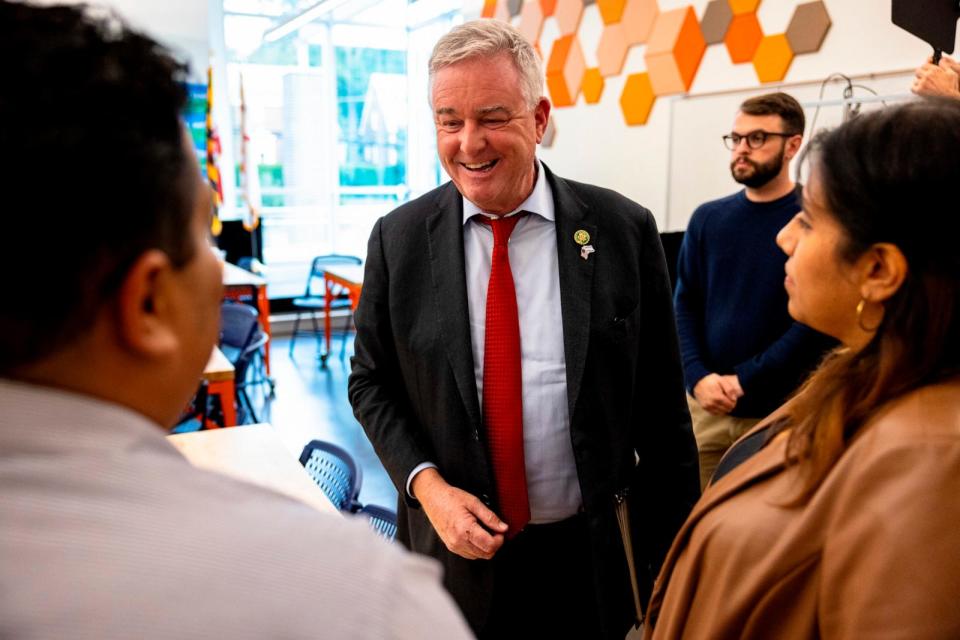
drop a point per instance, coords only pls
(581, 237)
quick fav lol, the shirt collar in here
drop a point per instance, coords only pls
(540, 200)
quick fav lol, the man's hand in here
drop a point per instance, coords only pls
(938, 80)
(718, 394)
(466, 526)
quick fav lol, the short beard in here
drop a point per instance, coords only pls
(762, 173)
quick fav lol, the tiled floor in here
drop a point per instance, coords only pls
(312, 403)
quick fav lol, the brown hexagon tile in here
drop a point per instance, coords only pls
(716, 18)
(592, 85)
(808, 27)
(531, 21)
(612, 50)
(743, 6)
(637, 99)
(743, 37)
(513, 7)
(638, 18)
(568, 14)
(548, 7)
(773, 58)
(549, 134)
(565, 70)
(611, 10)
(674, 51)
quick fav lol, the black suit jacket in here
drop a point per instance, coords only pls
(413, 388)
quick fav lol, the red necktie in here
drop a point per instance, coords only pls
(502, 382)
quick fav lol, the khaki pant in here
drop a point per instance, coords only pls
(714, 436)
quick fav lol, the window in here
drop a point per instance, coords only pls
(336, 121)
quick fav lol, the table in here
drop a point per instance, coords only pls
(238, 281)
(219, 376)
(348, 276)
(255, 454)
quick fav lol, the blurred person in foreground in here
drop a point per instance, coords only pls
(110, 315)
(841, 519)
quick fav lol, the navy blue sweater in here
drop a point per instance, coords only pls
(732, 307)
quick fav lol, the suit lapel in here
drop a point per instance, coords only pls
(444, 228)
(576, 279)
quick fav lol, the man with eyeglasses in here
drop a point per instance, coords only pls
(742, 353)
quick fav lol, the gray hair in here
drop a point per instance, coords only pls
(487, 38)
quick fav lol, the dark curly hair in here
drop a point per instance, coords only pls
(93, 166)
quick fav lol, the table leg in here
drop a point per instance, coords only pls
(228, 395)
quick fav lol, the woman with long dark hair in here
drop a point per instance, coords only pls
(845, 522)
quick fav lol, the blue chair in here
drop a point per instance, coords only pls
(335, 472)
(312, 302)
(382, 520)
(242, 341)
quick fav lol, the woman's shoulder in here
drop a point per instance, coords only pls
(930, 412)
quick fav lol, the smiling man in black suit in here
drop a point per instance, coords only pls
(517, 367)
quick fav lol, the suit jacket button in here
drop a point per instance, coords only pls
(476, 435)
(485, 499)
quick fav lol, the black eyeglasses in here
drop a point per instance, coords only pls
(755, 139)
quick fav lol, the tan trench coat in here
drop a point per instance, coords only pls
(875, 553)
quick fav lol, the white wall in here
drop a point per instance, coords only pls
(677, 160)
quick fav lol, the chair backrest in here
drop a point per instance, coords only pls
(238, 326)
(382, 520)
(335, 472)
(320, 263)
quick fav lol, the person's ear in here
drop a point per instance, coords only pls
(145, 306)
(793, 146)
(883, 268)
(541, 115)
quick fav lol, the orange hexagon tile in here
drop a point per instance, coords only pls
(568, 14)
(612, 50)
(565, 70)
(773, 58)
(637, 98)
(674, 51)
(548, 7)
(716, 19)
(743, 37)
(531, 21)
(743, 6)
(808, 27)
(638, 18)
(611, 10)
(489, 8)
(592, 85)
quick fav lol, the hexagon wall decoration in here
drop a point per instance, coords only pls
(808, 27)
(716, 19)
(637, 99)
(743, 37)
(637, 19)
(674, 51)
(565, 71)
(675, 43)
(592, 85)
(773, 58)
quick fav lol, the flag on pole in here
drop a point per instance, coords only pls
(213, 156)
(249, 171)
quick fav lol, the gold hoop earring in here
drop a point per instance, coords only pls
(860, 307)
